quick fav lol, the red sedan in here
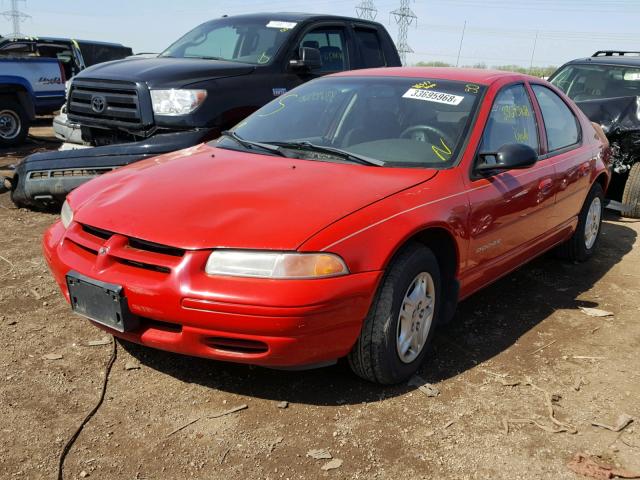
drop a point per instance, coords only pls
(345, 218)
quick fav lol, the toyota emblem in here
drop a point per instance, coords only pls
(98, 103)
(102, 251)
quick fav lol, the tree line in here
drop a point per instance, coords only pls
(535, 71)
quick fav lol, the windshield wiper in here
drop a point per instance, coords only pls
(352, 157)
(249, 145)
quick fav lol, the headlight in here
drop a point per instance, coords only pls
(66, 215)
(245, 263)
(176, 102)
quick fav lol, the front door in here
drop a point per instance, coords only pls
(509, 209)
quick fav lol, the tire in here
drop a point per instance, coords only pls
(376, 355)
(631, 193)
(14, 122)
(584, 241)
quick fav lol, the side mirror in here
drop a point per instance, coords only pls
(309, 58)
(510, 156)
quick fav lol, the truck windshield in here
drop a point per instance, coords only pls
(254, 41)
(590, 82)
(394, 121)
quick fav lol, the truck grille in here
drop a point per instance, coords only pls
(108, 103)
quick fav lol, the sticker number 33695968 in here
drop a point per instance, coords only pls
(433, 96)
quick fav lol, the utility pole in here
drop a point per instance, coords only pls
(16, 16)
(366, 10)
(464, 27)
(404, 17)
(533, 52)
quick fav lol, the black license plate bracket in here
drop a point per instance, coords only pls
(102, 302)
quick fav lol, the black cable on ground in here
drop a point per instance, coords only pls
(73, 438)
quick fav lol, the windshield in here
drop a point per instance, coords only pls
(254, 41)
(589, 82)
(398, 121)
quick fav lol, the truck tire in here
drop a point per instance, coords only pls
(405, 308)
(584, 241)
(14, 122)
(631, 194)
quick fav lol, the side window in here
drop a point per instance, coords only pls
(332, 45)
(370, 47)
(511, 120)
(559, 121)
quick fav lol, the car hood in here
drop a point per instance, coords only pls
(165, 72)
(206, 197)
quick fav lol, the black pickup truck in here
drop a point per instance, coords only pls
(204, 83)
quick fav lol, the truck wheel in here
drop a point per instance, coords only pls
(397, 331)
(631, 194)
(14, 123)
(584, 241)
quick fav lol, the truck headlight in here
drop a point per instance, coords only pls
(176, 102)
(278, 265)
(66, 214)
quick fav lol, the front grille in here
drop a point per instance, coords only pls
(127, 251)
(70, 172)
(121, 103)
(136, 242)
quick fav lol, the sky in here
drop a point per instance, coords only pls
(497, 32)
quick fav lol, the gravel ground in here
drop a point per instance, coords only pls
(512, 345)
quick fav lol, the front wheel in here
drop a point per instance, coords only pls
(631, 194)
(399, 326)
(584, 241)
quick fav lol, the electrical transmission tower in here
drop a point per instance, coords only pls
(16, 16)
(404, 17)
(366, 10)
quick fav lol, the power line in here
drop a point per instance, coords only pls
(366, 10)
(16, 16)
(404, 17)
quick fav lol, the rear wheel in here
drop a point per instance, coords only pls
(14, 123)
(584, 241)
(631, 194)
(398, 329)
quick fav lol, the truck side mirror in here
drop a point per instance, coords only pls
(309, 58)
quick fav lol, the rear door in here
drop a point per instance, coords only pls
(572, 161)
(368, 44)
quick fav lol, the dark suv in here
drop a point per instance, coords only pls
(206, 82)
(606, 86)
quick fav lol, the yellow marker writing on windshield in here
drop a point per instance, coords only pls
(281, 105)
(443, 153)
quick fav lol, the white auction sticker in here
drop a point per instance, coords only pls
(282, 25)
(433, 96)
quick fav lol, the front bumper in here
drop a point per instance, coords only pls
(66, 130)
(274, 323)
(43, 180)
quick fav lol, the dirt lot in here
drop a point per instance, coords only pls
(526, 328)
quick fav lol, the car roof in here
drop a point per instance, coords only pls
(300, 17)
(57, 39)
(619, 60)
(480, 76)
